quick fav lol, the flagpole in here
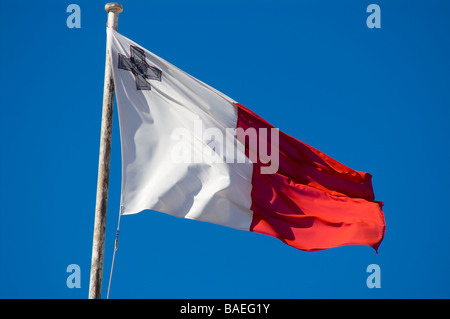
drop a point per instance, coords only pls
(98, 246)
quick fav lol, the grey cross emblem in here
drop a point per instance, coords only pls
(139, 67)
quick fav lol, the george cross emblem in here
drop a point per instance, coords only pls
(139, 67)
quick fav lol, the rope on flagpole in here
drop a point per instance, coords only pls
(115, 249)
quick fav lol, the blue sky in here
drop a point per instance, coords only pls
(374, 99)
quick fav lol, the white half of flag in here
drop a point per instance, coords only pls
(149, 121)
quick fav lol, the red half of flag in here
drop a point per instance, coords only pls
(312, 202)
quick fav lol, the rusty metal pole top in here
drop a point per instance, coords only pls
(113, 9)
(114, 6)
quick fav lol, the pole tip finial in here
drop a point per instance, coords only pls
(113, 7)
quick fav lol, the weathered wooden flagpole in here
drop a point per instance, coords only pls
(98, 247)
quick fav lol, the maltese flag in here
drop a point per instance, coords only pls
(190, 151)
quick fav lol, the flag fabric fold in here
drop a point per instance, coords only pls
(190, 151)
